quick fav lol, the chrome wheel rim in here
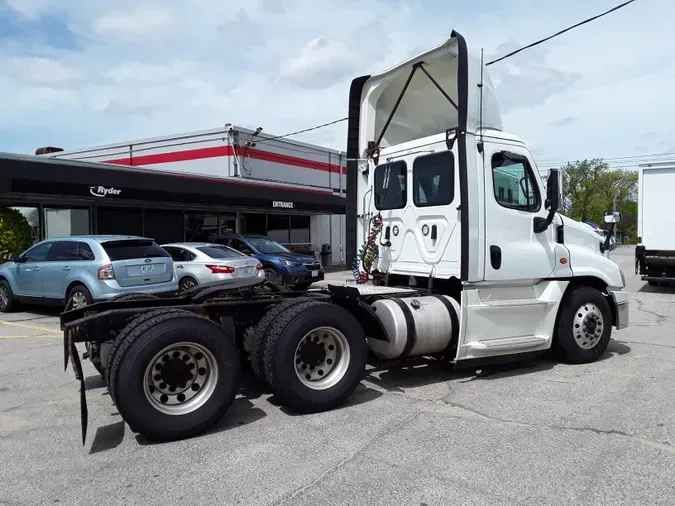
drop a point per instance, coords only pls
(588, 326)
(181, 378)
(79, 300)
(322, 358)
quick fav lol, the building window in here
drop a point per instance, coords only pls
(254, 223)
(120, 220)
(163, 225)
(434, 179)
(299, 229)
(279, 228)
(390, 185)
(199, 226)
(514, 183)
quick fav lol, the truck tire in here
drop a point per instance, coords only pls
(174, 375)
(584, 326)
(122, 336)
(94, 356)
(315, 356)
(259, 334)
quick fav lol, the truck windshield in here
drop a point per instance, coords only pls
(267, 246)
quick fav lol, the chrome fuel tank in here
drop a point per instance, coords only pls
(416, 325)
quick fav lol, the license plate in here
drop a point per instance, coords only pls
(147, 269)
(315, 274)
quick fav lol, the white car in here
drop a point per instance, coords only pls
(198, 263)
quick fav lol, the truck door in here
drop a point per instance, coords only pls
(511, 310)
(415, 195)
(514, 197)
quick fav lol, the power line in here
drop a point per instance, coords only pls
(264, 140)
(560, 32)
(635, 158)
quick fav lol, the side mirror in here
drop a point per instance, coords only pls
(552, 204)
(14, 258)
(553, 196)
(612, 217)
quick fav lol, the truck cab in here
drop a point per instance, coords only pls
(441, 197)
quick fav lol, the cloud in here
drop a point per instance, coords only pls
(134, 26)
(526, 80)
(43, 71)
(562, 122)
(320, 63)
(85, 73)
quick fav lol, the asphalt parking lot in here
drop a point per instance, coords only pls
(539, 433)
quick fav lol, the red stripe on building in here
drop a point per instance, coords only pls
(214, 152)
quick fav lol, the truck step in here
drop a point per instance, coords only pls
(514, 302)
(508, 343)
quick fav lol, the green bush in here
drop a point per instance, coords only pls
(14, 233)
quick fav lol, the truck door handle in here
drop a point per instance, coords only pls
(434, 232)
(496, 257)
(386, 233)
(67, 268)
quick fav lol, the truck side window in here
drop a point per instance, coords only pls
(434, 179)
(514, 184)
(390, 185)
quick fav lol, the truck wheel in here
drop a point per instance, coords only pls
(94, 351)
(584, 326)
(124, 333)
(174, 375)
(260, 332)
(315, 356)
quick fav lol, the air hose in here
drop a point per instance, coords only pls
(368, 252)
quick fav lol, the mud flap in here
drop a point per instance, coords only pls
(71, 350)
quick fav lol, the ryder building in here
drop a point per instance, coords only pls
(185, 187)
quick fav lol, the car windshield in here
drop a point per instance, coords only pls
(267, 246)
(220, 252)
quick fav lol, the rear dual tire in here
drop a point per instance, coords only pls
(313, 355)
(173, 375)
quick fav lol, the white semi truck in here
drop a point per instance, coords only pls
(463, 258)
(655, 252)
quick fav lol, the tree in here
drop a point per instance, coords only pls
(590, 188)
(14, 233)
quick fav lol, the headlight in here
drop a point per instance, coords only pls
(289, 263)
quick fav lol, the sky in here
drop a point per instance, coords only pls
(80, 73)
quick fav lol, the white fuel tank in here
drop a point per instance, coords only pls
(416, 325)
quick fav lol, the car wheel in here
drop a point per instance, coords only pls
(7, 299)
(584, 326)
(273, 276)
(186, 283)
(78, 297)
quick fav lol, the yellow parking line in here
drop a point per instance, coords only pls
(31, 327)
(51, 336)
